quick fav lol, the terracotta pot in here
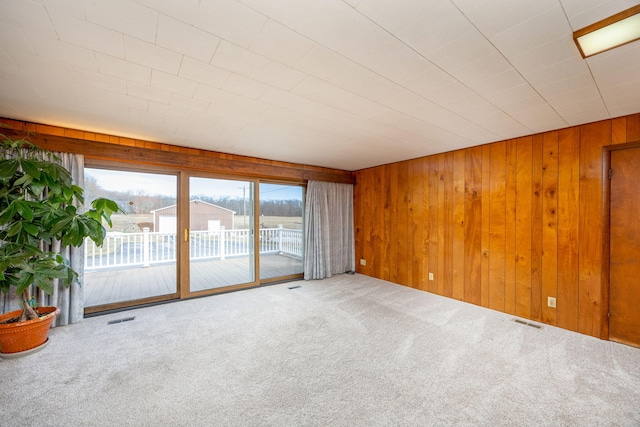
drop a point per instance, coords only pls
(23, 336)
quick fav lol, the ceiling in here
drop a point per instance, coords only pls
(344, 84)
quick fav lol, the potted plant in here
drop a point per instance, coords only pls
(38, 202)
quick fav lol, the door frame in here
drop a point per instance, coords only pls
(606, 233)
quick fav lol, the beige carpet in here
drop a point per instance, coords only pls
(346, 351)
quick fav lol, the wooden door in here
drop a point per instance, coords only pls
(624, 284)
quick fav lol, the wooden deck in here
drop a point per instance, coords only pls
(126, 284)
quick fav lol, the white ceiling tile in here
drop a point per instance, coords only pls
(329, 94)
(381, 52)
(162, 109)
(183, 10)
(463, 50)
(572, 83)
(322, 63)
(124, 16)
(203, 73)
(513, 97)
(278, 75)
(34, 67)
(122, 100)
(527, 35)
(69, 7)
(186, 39)
(394, 16)
(171, 83)
(152, 56)
(14, 41)
(245, 86)
(585, 12)
(88, 35)
(188, 103)
(443, 24)
(556, 71)
(62, 52)
(148, 92)
(215, 96)
(27, 15)
(545, 54)
(366, 83)
(482, 68)
(496, 16)
(428, 81)
(231, 21)
(102, 81)
(281, 44)
(123, 69)
(499, 82)
(234, 58)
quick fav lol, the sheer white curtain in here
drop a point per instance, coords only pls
(329, 236)
(70, 300)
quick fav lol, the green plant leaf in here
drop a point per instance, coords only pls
(30, 168)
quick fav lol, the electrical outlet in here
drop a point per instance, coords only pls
(363, 262)
(551, 302)
(430, 276)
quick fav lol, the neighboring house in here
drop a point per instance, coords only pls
(203, 217)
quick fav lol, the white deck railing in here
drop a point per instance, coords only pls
(146, 248)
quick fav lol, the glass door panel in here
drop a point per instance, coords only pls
(138, 257)
(281, 225)
(221, 224)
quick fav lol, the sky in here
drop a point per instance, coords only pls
(151, 184)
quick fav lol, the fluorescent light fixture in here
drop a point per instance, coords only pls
(611, 32)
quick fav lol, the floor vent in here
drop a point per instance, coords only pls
(533, 325)
(294, 287)
(125, 319)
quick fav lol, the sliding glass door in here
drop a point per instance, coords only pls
(281, 220)
(138, 258)
(184, 235)
(221, 233)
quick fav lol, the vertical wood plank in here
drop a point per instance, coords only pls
(386, 245)
(473, 225)
(434, 189)
(458, 220)
(486, 221)
(378, 227)
(404, 244)
(536, 228)
(497, 206)
(442, 224)
(568, 214)
(358, 208)
(416, 223)
(426, 172)
(592, 138)
(619, 130)
(393, 222)
(510, 228)
(523, 227)
(633, 128)
(445, 286)
(549, 224)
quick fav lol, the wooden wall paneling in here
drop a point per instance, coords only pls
(403, 238)
(434, 190)
(445, 287)
(549, 225)
(387, 218)
(425, 223)
(536, 228)
(633, 128)
(486, 222)
(458, 221)
(473, 225)
(619, 130)
(510, 228)
(497, 207)
(568, 214)
(393, 224)
(367, 221)
(416, 232)
(442, 224)
(523, 227)
(592, 138)
(377, 227)
(358, 195)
